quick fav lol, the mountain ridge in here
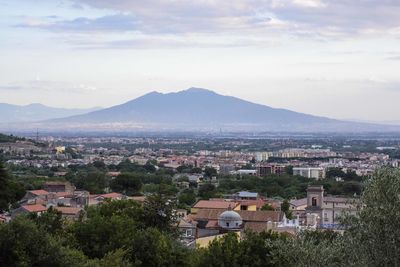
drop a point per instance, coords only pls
(198, 109)
(36, 112)
(203, 109)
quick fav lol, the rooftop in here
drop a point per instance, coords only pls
(39, 192)
(215, 204)
(68, 210)
(247, 194)
(34, 208)
(253, 216)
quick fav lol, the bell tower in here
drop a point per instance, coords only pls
(315, 200)
(315, 197)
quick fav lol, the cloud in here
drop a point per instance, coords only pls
(329, 17)
(47, 86)
(166, 21)
(10, 87)
(117, 22)
(393, 58)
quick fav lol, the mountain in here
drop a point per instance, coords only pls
(36, 112)
(202, 109)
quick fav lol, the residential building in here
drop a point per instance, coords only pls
(270, 169)
(310, 172)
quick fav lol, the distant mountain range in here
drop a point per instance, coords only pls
(200, 109)
(36, 112)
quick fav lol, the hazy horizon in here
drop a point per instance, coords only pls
(336, 59)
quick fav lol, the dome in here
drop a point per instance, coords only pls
(230, 220)
(229, 215)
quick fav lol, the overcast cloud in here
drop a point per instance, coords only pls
(336, 58)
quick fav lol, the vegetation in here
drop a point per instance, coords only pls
(10, 190)
(9, 138)
(126, 233)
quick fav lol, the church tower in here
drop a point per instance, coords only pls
(315, 200)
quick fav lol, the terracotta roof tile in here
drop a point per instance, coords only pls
(40, 192)
(256, 226)
(111, 195)
(68, 210)
(34, 208)
(247, 216)
(215, 204)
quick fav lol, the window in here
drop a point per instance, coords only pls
(314, 202)
(227, 224)
(188, 232)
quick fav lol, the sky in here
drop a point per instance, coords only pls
(334, 58)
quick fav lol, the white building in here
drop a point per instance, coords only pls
(310, 172)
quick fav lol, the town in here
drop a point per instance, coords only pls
(217, 189)
(195, 201)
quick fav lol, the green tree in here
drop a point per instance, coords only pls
(23, 243)
(285, 207)
(267, 207)
(373, 237)
(187, 197)
(221, 252)
(210, 172)
(289, 170)
(159, 210)
(151, 247)
(93, 181)
(127, 183)
(51, 221)
(207, 191)
(10, 190)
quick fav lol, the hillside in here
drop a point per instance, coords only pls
(35, 112)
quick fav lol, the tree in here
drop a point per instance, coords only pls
(187, 197)
(93, 181)
(222, 252)
(289, 170)
(99, 164)
(335, 172)
(23, 243)
(207, 191)
(285, 207)
(373, 236)
(10, 190)
(127, 183)
(152, 247)
(159, 210)
(50, 221)
(267, 207)
(210, 172)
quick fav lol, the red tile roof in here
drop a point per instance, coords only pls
(68, 210)
(215, 204)
(248, 216)
(111, 195)
(63, 194)
(256, 226)
(212, 224)
(259, 203)
(39, 192)
(34, 208)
